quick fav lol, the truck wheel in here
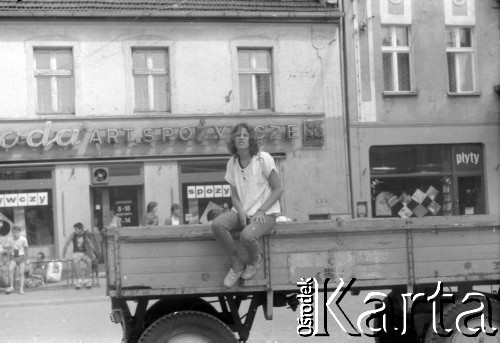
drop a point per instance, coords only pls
(396, 321)
(167, 306)
(449, 321)
(189, 327)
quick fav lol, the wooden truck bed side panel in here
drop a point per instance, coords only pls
(166, 260)
(456, 255)
(172, 264)
(110, 246)
(198, 263)
(371, 259)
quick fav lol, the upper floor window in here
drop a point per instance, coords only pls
(460, 56)
(396, 58)
(255, 79)
(54, 80)
(150, 73)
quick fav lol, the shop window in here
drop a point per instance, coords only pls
(54, 81)
(31, 209)
(427, 180)
(460, 57)
(396, 58)
(203, 187)
(151, 84)
(255, 79)
(199, 198)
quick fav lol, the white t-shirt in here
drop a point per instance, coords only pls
(18, 244)
(116, 222)
(252, 182)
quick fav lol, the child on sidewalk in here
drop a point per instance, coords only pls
(4, 269)
(18, 249)
(37, 272)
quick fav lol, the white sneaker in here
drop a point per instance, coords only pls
(232, 277)
(9, 290)
(251, 270)
(88, 284)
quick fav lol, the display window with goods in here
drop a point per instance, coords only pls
(427, 180)
(23, 203)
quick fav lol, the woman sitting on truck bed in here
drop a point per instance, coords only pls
(255, 191)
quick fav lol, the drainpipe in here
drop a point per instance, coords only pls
(345, 104)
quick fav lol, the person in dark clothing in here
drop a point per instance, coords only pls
(84, 250)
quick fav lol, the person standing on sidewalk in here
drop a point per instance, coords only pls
(18, 249)
(175, 215)
(116, 220)
(150, 218)
(255, 192)
(84, 251)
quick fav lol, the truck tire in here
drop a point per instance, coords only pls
(188, 326)
(396, 321)
(167, 306)
(449, 317)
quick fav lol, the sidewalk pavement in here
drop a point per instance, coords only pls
(54, 296)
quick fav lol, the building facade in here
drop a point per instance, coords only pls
(378, 109)
(109, 104)
(424, 108)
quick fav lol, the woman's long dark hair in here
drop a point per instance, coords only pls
(253, 143)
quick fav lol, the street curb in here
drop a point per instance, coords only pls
(46, 302)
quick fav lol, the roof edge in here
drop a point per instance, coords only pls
(200, 15)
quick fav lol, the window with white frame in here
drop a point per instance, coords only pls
(460, 56)
(396, 58)
(255, 79)
(151, 79)
(54, 80)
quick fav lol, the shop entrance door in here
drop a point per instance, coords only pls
(125, 198)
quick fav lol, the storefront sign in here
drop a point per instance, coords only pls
(125, 209)
(185, 133)
(71, 136)
(36, 138)
(24, 199)
(314, 133)
(135, 137)
(208, 191)
(468, 157)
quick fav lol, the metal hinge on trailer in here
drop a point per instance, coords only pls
(266, 281)
(118, 276)
(410, 283)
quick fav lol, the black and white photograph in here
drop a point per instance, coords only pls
(260, 171)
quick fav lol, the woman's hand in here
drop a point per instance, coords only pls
(259, 217)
